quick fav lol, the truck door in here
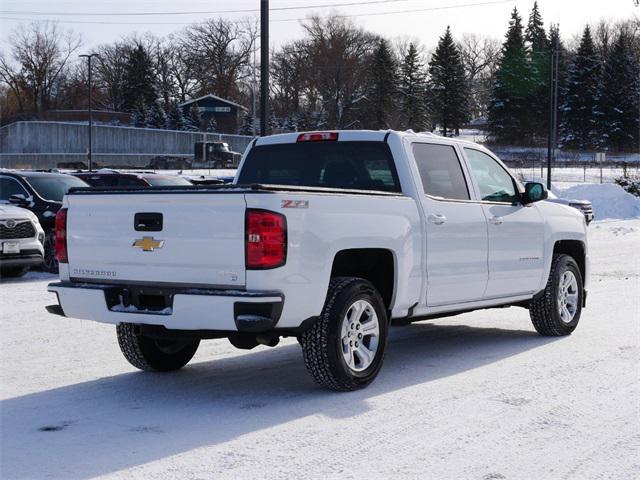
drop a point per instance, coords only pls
(516, 231)
(456, 228)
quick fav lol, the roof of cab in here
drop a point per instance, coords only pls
(358, 136)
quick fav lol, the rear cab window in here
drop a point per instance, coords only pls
(440, 171)
(345, 165)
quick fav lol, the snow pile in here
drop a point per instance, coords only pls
(609, 201)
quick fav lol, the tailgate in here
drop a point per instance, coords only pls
(199, 242)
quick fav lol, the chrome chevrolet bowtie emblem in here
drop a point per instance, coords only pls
(148, 244)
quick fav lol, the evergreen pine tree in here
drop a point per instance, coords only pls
(413, 91)
(155, 116)
(175, 118)
(578, 128)
(618, 103)
(382, 87)
(539, 74)
(247, 124)
(139, 116)
(212, 125)
(508, 113)
(290, 124)
(193, 119)
(137, 88)
(534, 34)
(274, 125)
(448, 86)
(303, 120)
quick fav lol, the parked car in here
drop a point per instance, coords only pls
(21, 241)
(41, 192)
(114, 178)
(327, 237)
(584, 206)
(169, 162)
(203, 180)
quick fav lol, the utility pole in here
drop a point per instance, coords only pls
(264, 66)
(553, 111)
(89, 157)
(253, 92)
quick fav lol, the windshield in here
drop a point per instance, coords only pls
(167, 181)
(54, 187)
(352, 165)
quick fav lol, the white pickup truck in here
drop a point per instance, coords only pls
(325, 236)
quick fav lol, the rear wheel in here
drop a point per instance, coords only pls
(344, 348)
(556, 311)
(150, 354)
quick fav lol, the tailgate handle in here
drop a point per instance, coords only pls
(147, 222)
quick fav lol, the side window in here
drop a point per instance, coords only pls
(9, 186)
(496, 185)
(440, 171)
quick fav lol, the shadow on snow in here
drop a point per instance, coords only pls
(113, 423)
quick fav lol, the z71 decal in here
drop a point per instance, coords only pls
(295, 204)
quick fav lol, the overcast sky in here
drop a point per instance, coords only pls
(489, 19)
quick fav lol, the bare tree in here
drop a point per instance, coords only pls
(40, 53)
(337, 53)
(289, 74)
(218, 54)
(480, 57)
(177, 59)
(110, 71)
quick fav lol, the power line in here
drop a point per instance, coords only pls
(246, 10)
(417, 10)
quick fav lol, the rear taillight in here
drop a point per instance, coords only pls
(318, 137)
(61, 236)
(266, 239)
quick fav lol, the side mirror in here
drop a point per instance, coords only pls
(19, 199)
(534, 192)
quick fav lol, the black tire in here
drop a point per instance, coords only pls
(50, 263)
(153, 355)
(544, 308)
(321, 343)
(13, 272)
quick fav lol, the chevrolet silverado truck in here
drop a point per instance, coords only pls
(323, 236)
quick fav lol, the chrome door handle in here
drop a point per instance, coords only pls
(437, 218)
(496, 220)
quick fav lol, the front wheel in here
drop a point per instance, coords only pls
(344, 348)
(556, 310)
(154, 355)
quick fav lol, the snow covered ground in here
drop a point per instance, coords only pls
(479, 396)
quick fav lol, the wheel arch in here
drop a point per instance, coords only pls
(575, 249)
(377, 265)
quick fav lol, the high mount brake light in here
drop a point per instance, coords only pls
(61, 236)
(265, 240)
(318, 137)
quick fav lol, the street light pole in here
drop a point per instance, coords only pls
(89, 156)
(553, 111)
(264, 66)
